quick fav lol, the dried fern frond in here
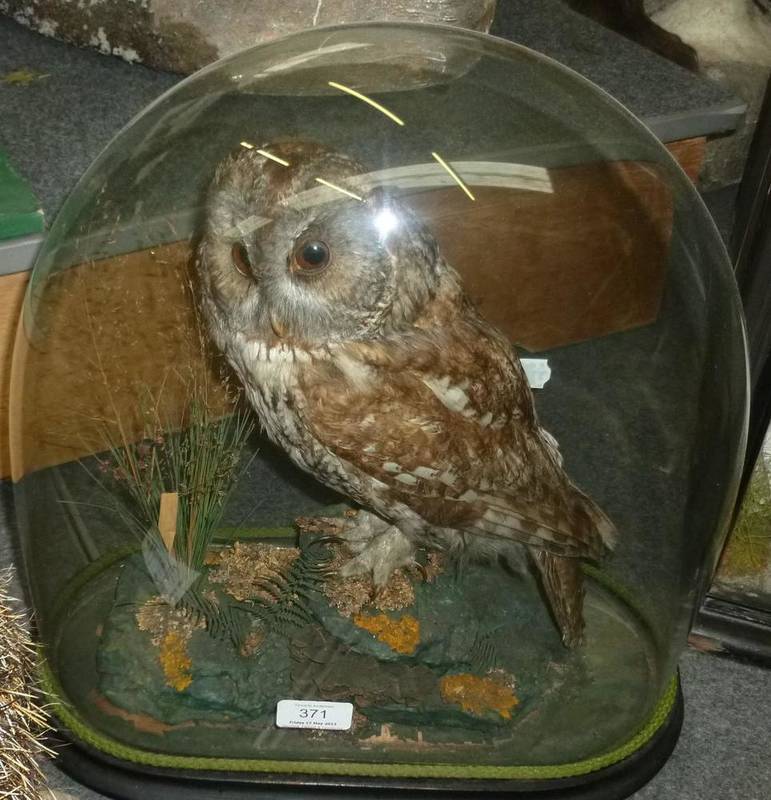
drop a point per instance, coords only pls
(23, 720)
(283, 604)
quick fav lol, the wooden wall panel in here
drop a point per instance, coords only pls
(583, 261)
(113, 339)
(690, 155)
(554, 268)
(12, 288)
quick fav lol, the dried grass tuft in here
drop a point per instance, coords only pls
(23, 719)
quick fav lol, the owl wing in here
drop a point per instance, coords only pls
(446, 426)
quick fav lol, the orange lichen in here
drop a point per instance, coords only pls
(401, 635)
(175, 661)
(477, 695)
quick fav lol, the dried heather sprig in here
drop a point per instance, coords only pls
(23, 720)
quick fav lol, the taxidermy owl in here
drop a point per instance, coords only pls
(368, 364)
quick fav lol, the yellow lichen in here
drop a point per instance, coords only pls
(401, 635)
(477, 695)
(175, 661)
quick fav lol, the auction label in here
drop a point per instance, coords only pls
(317, 714)
(537, 371)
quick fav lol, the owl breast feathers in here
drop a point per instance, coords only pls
(368, 364)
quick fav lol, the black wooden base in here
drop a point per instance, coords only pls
(125, 781)
(734, 629)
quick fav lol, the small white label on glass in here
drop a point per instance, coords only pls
(537, 371)
(317, 714)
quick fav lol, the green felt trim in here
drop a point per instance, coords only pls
(224, 535)
(87, 734)
(20, 212)
(81, 730)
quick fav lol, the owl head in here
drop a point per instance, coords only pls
(299, 244)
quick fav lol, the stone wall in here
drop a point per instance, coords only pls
(184, 35)
(733, 40)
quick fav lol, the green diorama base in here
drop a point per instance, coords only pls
(455, 673)
(425, 661)
(125, 778)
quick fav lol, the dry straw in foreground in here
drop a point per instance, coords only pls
(23, 721)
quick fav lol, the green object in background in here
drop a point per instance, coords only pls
(20, 212)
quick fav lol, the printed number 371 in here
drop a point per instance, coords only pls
(313, 713)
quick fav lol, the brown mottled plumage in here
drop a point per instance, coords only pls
(368, 364)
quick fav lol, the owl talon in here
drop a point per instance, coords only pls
(380, 556)
(357, 532)
(355, 567)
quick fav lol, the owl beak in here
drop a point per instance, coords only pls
(278, 327)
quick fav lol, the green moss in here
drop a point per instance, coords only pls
(749, 547)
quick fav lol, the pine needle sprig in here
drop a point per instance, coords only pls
(199, 460)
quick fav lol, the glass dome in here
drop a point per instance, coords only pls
(272, 438)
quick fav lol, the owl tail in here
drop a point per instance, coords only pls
(563, 585)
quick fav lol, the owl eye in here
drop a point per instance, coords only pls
(240, 257)
(311, 256)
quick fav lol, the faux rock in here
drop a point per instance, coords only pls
(187, 675)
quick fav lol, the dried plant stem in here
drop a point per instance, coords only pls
(199, 462)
